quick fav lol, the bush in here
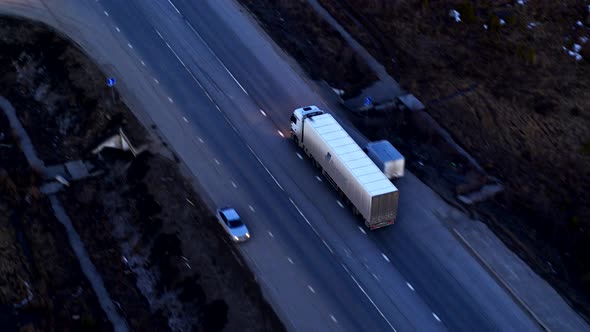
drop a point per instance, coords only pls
(586, 148)
(527, 54)
(467, 11)
(495, 23)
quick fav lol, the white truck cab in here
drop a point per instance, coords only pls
(297, 122)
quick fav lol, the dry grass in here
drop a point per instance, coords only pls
(528, 118)
(317, 47)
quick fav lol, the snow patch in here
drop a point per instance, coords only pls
(455, 15)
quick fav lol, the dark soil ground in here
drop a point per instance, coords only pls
(509, 94)
(164, 261)
(311, 41)
(36, 261)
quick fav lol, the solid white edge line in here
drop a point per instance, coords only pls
(327, 246)
(368, 297)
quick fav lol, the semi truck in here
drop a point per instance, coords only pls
(387, 158)
(345, 165)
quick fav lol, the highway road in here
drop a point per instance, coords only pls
(221, 93)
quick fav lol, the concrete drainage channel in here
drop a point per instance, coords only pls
(88, 268)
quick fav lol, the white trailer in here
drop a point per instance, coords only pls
(387, 158)
(346, 166)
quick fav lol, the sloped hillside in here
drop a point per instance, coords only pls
(511, 81)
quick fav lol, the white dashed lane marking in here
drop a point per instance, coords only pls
(117, 28)
(130, 46)
(385, 257)
(106, 13)
(251, 208)
(300, 156)
(290, 260)
(333, 319)
(311, 289)
(339, 203)
(362, 230)
(234, 184)
(174, 7)
(436, 317)
(318, 178)
(270, 234)
(280, 133)
(216, 161)
(410, 286)
(263, 113)
(170, 100)
(185, 119)
(157, 82)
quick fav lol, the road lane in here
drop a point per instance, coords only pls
(453, 299)
(328, 276)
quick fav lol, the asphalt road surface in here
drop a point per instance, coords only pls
(238, 100)
(227, 94)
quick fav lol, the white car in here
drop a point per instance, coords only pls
(231, 222)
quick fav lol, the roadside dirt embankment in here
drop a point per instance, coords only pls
(163, 258)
